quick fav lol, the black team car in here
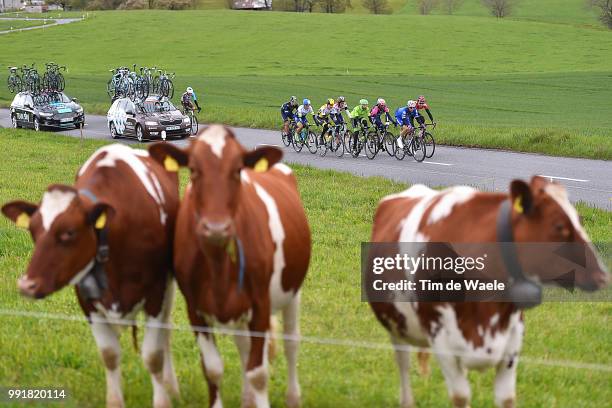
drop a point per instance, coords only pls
(154, 118)
(46, 110)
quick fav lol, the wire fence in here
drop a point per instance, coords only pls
(323, 341)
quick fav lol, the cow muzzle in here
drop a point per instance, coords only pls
(29, 287)
(215, 232)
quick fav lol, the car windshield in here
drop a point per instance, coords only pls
(157, 106)
(49, 98)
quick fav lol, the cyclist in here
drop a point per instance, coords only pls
(338, 108)
(359, 116)
(421, 104)
(323, 117)
(301, 118)
(189, 98)
(405, 117)
(288, 113)
(378, 110)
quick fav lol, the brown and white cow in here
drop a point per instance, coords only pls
(124, 198)
(242, 249)
(472, 335)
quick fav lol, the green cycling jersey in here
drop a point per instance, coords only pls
(359, 112)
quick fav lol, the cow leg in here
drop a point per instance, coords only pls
(456, 379)
(169, 375)
(243, 343)
(403, 364)
(291, 330)
(257, 365)
(505, 382)
(153, 350)
(213, 367)
(107, 340)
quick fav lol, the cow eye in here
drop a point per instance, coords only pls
(67, 236)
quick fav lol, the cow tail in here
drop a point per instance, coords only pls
(135, 337)
(423, 357)
(272, 341)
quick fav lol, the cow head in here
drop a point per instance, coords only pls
(542, 212)
(65, 243)
(217, 163)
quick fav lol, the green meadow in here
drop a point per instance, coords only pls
(6, 24)
(61, 353)
(541, 86)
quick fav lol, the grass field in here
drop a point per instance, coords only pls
(511, 84)
(58, 353)
(14, 24)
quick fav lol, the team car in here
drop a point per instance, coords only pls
(153, 118)
(46, 110)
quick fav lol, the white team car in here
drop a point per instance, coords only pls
(153, 118)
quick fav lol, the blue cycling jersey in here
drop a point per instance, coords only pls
(405, 117)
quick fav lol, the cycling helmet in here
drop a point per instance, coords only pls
(189, 90)
(341, 99)
(330, 101)
(306, 101)
(293, 100)
(411, 104)
(363, 102)
(381, 101)
(421, 99)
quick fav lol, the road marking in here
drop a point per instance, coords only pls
(564, 178)
(439, 164)
(266, 144)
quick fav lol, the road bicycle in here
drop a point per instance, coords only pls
(165, 86)
(413, 145)
(307, 137)
(332, 140)
(53, 80)
(30, 79)
(118, 86)
(354, 141)
(13, 81)
(430, 142)
(286, 137)
(379, 138)
(193, 120)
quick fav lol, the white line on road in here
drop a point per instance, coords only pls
(266, 144)
(439, 164)
(564, 178)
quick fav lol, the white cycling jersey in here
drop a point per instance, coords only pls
(303, 111)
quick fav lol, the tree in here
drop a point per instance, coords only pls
(450, 6)
(377, 6)
(334, 6)
(499, 8)
(425, 6)
(605, 11)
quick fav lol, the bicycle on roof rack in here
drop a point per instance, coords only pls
(14, 81)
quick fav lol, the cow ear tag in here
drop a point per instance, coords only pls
(518, 205)
(101, 221)
(23, 221)
(171, 164)
(261, 165)
(231, 251)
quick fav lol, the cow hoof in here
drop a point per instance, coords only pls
(459, 401)
(162, 403)
(508, 403)
(293, 400)
(114, 402)
(406, 404)
(248, 400)
(172, 387)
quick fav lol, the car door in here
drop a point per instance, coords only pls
(18, 110)
(130, 122)
(28, 110)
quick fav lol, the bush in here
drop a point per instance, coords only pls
(173, 4)
(605, 11)
(133, 5)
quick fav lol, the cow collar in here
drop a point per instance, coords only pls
(523, 292)
(95, 282)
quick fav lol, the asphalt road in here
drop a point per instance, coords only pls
(56, 21)
(587, 180)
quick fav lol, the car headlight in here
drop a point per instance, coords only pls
(46, 114)
(151, 124)
(80, 110)
(186, 121)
